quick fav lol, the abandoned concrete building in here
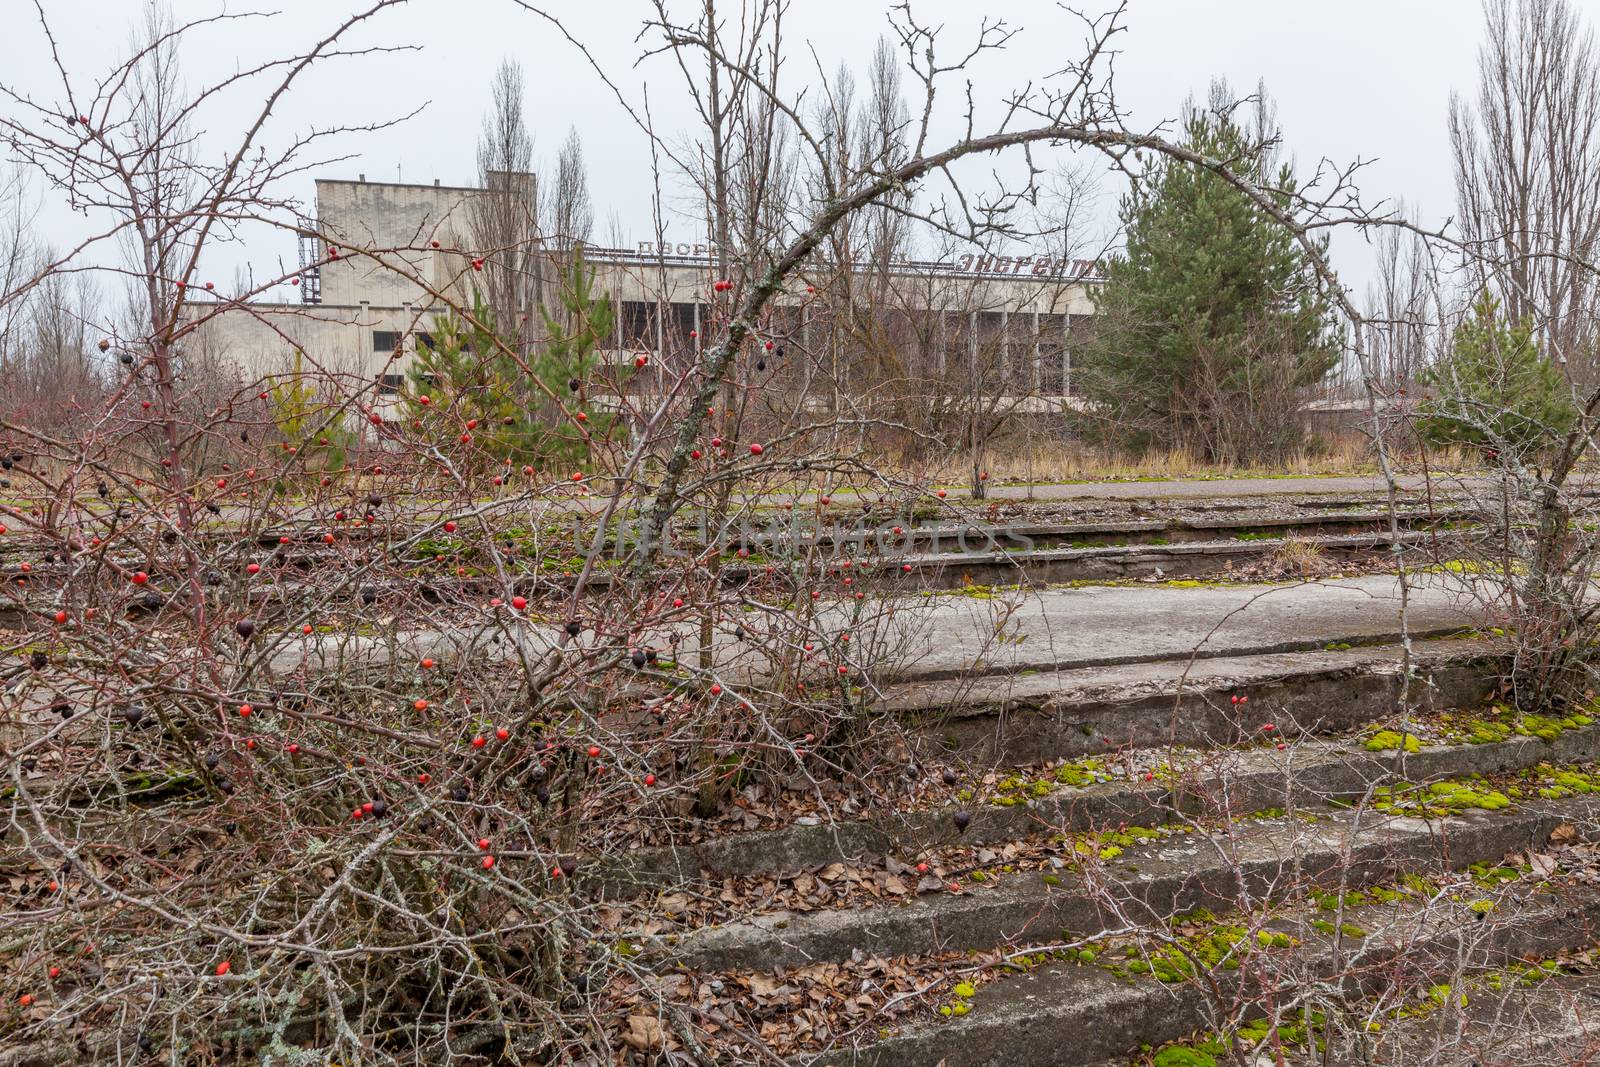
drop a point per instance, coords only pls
(366, 301)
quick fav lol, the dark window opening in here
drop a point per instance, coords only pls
(389, 340)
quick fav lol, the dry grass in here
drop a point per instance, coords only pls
(1061, 461)
(1297, 555)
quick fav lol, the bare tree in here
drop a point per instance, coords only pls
(1406, 305)
(506, 217)
(1527, 165)
(571, 211)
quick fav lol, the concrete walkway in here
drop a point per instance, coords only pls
(927, 638)
(1093, 626)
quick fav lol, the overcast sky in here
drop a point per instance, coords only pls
(1367, 79)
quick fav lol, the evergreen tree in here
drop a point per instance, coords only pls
(466, 368)
(568, 360)
(1210, 327)
(313, 427)
(1496, 390)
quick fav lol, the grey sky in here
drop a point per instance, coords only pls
(1363, 79)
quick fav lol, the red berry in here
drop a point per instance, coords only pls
(61, 617)
(254, 568)
(519, 602)
(294, 750)
(755, 450)
(594, 751)
(483, 844)
(649, 779)
(245, 710)
(479, 741)
(503, 734)
(223, 968)
(139, 577)
(449, 527)
(424, 778)
(488, 863)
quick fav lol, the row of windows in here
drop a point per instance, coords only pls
(642, 323)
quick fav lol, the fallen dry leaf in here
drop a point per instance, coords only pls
(644, 1033)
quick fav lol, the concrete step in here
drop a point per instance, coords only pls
(1070, 1014)
(1040, 714)
(1166, 876)
(1192, 783)
(1552, 1022)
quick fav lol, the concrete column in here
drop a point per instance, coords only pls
(364, 330)
(1036, 378)
(1066, 355)
(1005, 352)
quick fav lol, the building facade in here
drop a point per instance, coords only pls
(382, 260)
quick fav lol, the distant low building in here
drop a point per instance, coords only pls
(403, 249)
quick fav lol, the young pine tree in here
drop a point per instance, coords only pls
(468, 372)
(568, 360)
(1495, 390)
(1210, 328)
(311, 426)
